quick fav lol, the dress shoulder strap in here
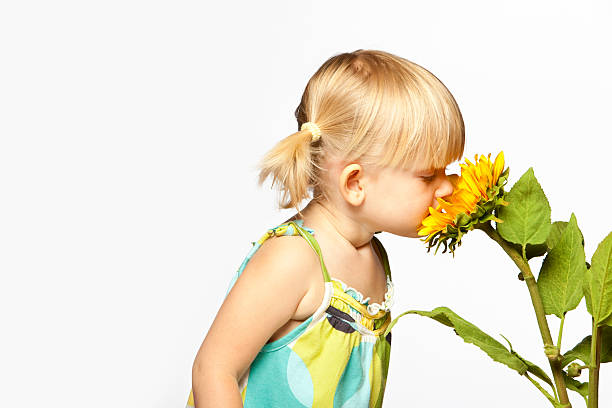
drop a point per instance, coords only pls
(287, 228)
(313, 244)
(296, 228)
(383, 255)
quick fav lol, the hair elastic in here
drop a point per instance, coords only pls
(314, 130)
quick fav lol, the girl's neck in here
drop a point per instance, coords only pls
(346, 230)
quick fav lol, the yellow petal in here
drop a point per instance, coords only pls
(431, 221)
(498, 166)
(484, 167)
(471, 180)
(427, 231)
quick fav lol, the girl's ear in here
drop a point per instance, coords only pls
(352, 184)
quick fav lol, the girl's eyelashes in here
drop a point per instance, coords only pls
(429, 177)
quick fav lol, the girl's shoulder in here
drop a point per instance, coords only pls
(288, 255)
(287, 268)
(263, 298)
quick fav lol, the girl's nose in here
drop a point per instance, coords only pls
(446, 186)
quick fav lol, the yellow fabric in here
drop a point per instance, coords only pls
(344, 302)
(337, 357)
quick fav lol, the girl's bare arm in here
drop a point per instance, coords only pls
(263, 299)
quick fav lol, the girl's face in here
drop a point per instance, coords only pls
(397, 200)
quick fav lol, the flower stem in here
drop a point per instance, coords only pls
(538, 306)
(594, 366)
(560, 332)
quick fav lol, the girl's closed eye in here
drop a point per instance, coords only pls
(428, 179)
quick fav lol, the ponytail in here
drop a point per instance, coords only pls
(375, 108)
(293, 165)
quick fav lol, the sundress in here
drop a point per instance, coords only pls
(338, 357)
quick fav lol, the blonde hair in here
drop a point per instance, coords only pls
(372, 107)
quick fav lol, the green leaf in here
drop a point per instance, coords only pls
(554, 235)
(599, 283)
(527, 217)
(581, 388)
(537, 371)
(531, 251)
(563, 271)
(582, 350)
(471, 334)
(532, 368)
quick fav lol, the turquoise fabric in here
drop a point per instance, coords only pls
(338, 357)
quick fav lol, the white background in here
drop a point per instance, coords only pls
(128, 197)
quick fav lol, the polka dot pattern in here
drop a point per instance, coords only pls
(338, 357)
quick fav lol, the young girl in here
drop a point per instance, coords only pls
(302, 323)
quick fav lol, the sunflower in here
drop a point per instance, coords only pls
(476, 196)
